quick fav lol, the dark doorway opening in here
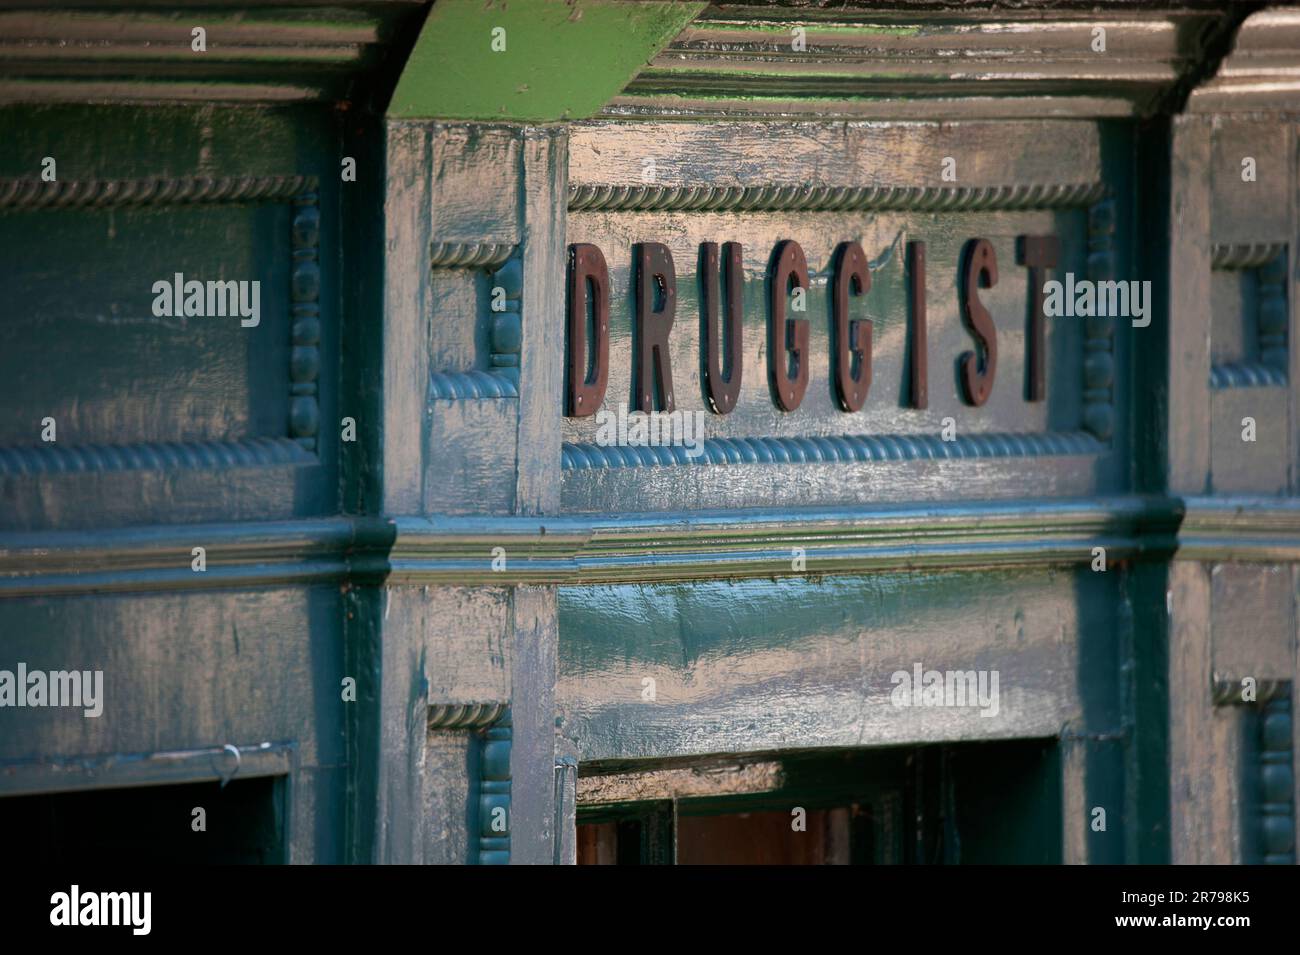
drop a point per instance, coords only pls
(152, 824)
(938, 804)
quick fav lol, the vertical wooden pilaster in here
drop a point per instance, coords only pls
(388, 651)
(406, 293)
(1291, 289)
(532, 758)
(1202, 817)
(474, 220)
(544, 196)
(1187, 417)
(544, 192)
(1203, 739)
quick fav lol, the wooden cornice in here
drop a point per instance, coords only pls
(142, 52)
(1030, 60)
(1263, 70)
(905, 59)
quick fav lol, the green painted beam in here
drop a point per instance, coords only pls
(531, 60)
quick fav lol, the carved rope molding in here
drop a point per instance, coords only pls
(112, 193)
(459, 385)
(1227, 692)
(1244, 255)
(809, 198)
(833, 449)
(460, 716)
(505, 333)
(1246, 375)
(304, 369)
(469, 255)
(58, 458)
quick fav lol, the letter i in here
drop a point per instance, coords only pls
(918, 367)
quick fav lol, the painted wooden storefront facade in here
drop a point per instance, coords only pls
(437, 617)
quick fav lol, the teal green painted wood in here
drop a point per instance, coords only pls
(516, 61)
(164, 421)
(132, 205)
(331, 560)
(826, 648)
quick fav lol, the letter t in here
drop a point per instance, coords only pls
(1039, 253)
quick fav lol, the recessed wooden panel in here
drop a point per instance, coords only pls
(1255, 208)
(1253, 621)
(81, 343)
(1257, 466)
(164, 417)
(1232, 333)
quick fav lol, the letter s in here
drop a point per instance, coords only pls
(979, 268)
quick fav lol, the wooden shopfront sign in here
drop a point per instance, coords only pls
(789, 356)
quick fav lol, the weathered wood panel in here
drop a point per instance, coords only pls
(725, 657)
(1250, 444)
(908, 155)
(229, 407)
(882, 185)
(188, 672)
(1253, 621)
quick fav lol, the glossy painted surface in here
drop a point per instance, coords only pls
(200, 379)
(726, 656)
(145, 405)
(168, 421)
(727, 183)
(377, 559)
(185, 671)
(882, 237)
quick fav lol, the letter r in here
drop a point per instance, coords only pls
(652, 367)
